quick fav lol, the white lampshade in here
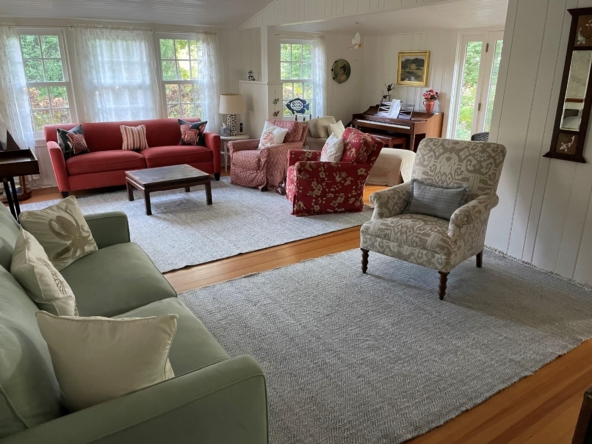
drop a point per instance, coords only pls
(232, 104)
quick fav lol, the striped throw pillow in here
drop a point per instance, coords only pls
(134, 137)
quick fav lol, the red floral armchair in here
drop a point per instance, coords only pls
(316, 187)
(265, 168)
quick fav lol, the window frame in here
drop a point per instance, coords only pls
(163, 83)
(67, 82)
(292, 80)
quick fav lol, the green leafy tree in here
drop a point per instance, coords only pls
(469, 90)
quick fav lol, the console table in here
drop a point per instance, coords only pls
(16, 163)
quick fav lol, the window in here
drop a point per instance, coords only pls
(182, 64)
(296, 73)
(47, 78)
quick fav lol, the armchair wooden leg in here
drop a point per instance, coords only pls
(365, 254)
(65, 194)
(480, 260)
(443, 281)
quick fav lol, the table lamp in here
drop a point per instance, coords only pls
(232, 105)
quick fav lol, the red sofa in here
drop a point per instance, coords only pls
(107, 163)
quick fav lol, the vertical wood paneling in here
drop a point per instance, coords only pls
(310, 9)
(337, 7)
(350, 7)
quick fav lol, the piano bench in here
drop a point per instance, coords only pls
(391, 141)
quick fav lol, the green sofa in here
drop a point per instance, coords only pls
(213, 399)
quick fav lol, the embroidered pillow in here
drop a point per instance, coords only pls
(61, 230)
(72, 141)
(272, 135)
(134, 137)
(357, 146)
(192, 133)
(435, 200)
(333, 149)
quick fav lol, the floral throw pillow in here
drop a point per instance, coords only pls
(272, 135)
(357, 146)
(72, 141)
(192, 133)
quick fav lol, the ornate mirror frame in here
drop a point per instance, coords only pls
(569, 138)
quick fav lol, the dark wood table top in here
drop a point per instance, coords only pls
(174, 173)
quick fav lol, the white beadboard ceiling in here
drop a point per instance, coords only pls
(217, 13)
(462, 14)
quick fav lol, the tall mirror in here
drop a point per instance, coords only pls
(575, 100)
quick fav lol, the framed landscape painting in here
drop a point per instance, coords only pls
(413, 68)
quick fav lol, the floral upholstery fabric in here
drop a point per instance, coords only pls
(266, 167)
(429, 241)
(316, 187)
(357, 146)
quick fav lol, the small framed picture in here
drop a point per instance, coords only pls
(413, 68)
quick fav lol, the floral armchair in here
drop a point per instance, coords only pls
(430, 241)
(266, 167)
(316, 187)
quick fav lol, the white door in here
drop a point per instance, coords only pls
(477, 79)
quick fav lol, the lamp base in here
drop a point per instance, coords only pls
(231, 122)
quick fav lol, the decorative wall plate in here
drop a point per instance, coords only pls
(341, 70)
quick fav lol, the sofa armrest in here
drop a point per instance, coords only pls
(223, 403)
(390, 202)
(109, 228)
(242, 145)
(59, 165)
(471, 215)
(213, 143)
(295, 156)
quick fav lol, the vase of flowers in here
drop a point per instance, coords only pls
(429, 100)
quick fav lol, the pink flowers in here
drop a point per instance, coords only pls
(430, 94)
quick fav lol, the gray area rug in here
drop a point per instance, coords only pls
(184, 231)
(377, 358)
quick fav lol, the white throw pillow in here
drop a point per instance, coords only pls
(43, 283)
(97, 359)
(333, 149)
(62, 231)
(272, 135)
(337, 128)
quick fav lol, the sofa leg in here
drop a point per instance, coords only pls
(480, 260)
(217, 176)
(65, 194)
(365, 254)
(443, 281)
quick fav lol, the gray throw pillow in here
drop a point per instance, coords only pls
(435, 200)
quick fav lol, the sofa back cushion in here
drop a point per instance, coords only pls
(9, 232)
(103, 136)
(29, 392)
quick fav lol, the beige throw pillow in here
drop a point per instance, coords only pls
(323, 126)
(333, 149)
(43, 283)
(97, 359)
(62, 231)
(337, 128)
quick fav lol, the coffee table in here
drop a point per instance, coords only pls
(166, 178)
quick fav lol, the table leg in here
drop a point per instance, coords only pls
(187, 189)
(15, 197)
(226, 156)
(147, 201)
(130, 191)
(209, 193)
(9, 197)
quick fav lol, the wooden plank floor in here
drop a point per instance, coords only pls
(540, 409)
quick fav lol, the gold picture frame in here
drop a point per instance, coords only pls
(413, 68)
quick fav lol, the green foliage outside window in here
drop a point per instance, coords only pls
(468, 94)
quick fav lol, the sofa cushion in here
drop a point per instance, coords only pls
(102, 161)
(247, 159)
(29, 391)
(194, 347)
(9, 232)
(176, 155)
(114, 280)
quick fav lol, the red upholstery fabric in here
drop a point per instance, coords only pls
(316, 187)
(176, 154)
(103, 161)
(105, 137)
(357, 146)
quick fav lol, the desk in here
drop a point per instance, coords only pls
(225, 140)
(15, 163)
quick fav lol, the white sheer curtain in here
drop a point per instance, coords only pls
(117, 69)
(209, 81)
(14, 100)
(319, 76)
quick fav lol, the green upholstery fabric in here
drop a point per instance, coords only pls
(9, 231)
(114, 280)
(109, 228)
(222, 403)
(193, 347)
(29, 392)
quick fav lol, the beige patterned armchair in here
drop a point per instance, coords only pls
(430, 241)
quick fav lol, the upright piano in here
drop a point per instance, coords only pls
(420, 125)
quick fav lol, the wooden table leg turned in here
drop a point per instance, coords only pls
(209, 193)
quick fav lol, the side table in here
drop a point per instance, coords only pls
(225, 153)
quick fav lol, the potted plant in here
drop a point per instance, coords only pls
(429, 100)
(387, 97)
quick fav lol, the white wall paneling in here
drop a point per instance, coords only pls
(544, 216)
